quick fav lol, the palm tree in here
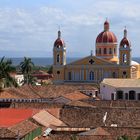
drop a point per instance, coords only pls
(5, 69)
(26, 68)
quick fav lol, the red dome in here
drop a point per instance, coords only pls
(125, 41)
(59, 42)
(106, 23)
(106, 37)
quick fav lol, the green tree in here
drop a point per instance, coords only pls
(50, 70)
(26, 67)
(73, 137)
(138, 138)
(123, 138)
(5, 69)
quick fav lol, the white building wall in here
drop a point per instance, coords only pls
(107, 90)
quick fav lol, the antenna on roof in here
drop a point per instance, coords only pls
(104, 118)
(18, 138)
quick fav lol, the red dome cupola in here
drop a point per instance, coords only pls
(125, 41)
(106, 44)
(59, 42)
(106, 36)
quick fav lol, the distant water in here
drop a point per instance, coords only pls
(40, 61)
(49, 61)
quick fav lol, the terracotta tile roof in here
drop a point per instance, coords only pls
(50, 91)
(46, 119)
(61, 99)
(74, 96)
(129, 83)
(79, 103)
(6, 133)
(93, 116)
(99, 131)
(42, 75)
(9, 117)
(23, 127)
(54, 111)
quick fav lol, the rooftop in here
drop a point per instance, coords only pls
(121, 83)
(10, 117)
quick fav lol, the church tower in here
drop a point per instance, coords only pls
(59, 59)
(125, 57)
(125, 51)
(59, 51)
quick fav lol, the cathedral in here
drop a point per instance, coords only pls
(93, 69)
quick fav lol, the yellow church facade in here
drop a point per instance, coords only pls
(93, 69)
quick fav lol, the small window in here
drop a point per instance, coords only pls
(110, 51)
(124, 72)
(112, 96)
(138, 96)
(105, 51)
(114, 75)
(132, 95)
(69, 76)
(124, 58)
(58, 72)
(91, 75)
(114, 50)
(125, 46)
(100, 51)
(58, 58)
(119, 94)
(58, 47)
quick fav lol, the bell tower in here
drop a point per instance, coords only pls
(125, 51)
(59, 51)
(125, 57)
(59, 59)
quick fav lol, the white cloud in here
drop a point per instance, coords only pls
(35, 29)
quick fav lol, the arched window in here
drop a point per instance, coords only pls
(119, 94)
(58, 58)
(110, 51)
(100, 51)
(114, 75)
(114, 50)
(58, 47)
(69, 76)
(124, 58)
(112, 96)
(138, 96)
(125, 46)
(91, 75)
(132, 95)
(105, 51)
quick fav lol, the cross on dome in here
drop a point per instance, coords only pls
(125, 32)
(59, 34)
(106, 25)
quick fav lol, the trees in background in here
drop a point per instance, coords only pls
(5, 69)
(26, 68)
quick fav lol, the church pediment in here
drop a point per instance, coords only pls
(91, 60)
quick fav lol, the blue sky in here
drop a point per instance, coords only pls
(29, 27)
